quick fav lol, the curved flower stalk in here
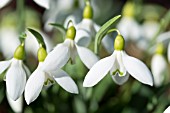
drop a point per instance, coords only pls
(15, 73)
(40, 77)
(17, 106)
(69, 50)
(87, 29)
(3, 3)
(128, 26)
(158, 66)
(120, 66)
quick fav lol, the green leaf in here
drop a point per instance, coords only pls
(22, 37)
(103, 31)
(38, 36)
(60, 27)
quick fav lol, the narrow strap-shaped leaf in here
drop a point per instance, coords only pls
(103, 31)
(38, 36)
(60, 27)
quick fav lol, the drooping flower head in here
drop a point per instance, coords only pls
(120, 65)
(15, 73)
(41, 76)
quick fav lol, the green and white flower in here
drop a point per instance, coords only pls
(40, 77)
(60, 55)
(15, 73)
(120, 66)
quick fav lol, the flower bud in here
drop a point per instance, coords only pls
(41, 54)
(119, 42)
(19, 52)
(71, 33)
(160, 49)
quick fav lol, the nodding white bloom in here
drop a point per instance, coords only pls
(3, 3)
(120, 66)
(16, 73)
(40, 77)
(128, 26)
(158, 66)
(167, 110)
(60, 55)
(87, 29)
(17, 106)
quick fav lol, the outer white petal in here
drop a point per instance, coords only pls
(120, 79)
(34, 85)
(87, 56)
(58, 57)
(4, 65)
(43, 3)
(167, 110)
(98, 71)
(3, 3)
(158, 67)
(137, 69)
(82, 38)
(28, 73)
(65, 81)
(17, 106)
(15, 79)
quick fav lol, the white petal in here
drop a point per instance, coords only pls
(98, 71)
(120, 79)
(28, 73)
(167, 110)
(15, 79)
(43, 3)
(57, 58)
(4, 65)
(87, 56)
(17, 106)
(3, 3)
(137, 69)
(34, 85)
(82, 38)
(65, 81)
(158, 67)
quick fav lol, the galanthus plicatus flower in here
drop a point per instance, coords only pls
(60, 55)
(3, 3)
(87, 29)
(167, 110)
(120, 66)
(40, 77)
(128, 26)
(17, 106)
(16, 73)
(158, 66)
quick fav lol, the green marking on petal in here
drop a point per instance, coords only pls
(117, 71)
(48, 82)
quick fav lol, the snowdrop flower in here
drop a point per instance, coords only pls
(15, 73)
(87, 29)
(41, 77)
(60, 55)
(3, 3)
(120, 66)
(158, 66)
(129, 28)
(167, 110)
(17, 106)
